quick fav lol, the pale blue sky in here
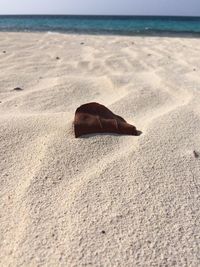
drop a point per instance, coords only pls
(123, 7)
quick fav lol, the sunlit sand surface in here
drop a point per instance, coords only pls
(101, 200)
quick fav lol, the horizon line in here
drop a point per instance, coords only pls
(100, 15)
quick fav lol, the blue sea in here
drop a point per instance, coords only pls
(123, 25)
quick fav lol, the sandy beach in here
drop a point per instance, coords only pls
(99, 200)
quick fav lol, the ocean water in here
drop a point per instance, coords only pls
(124, 25)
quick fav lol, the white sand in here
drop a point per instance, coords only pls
(59, 194)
